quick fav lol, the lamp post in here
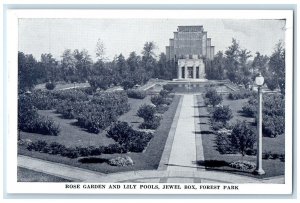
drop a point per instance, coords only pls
(259, 81)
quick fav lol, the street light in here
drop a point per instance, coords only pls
(259, 81)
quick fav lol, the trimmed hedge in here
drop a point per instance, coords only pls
(241, 94)
(136, 94)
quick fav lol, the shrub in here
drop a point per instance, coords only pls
(163, 93)
(127, 84)
(43, 100)
(273, 126)
(249, 110)
(30, 121)
(157, 100)
(243, 165)
(71, 153)
(56, 148)
(45, 126)
(162, 108)
(114, 148)
(224, 143)
(242, 137)
(168, 87)
(121, 161)
(88, 90)
(37, 146)
(50, 86)
(151, 124)
(130, 139)
(241, 94)
(101, 111)
(136, 94)
(210, 92)
(71, 94)
(213, 98)
(146, 112)
(222, 114)
(217, 125)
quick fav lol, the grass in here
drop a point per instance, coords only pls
(216, 161)
(63, 85)
(26, 175)
(143, 161)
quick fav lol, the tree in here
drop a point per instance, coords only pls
(27, 72)
(216, 67)
(242, 137)
(68, 65)
(133, 61)
(148, 58)
(232, 61)
(49, 67)
(100, 50)
(243, 57)
(260, 64)
(83, 64)
(277, 65)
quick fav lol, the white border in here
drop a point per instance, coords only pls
(12, 48)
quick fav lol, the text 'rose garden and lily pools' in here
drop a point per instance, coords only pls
(187, 110)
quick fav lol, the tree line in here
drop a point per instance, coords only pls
(78, 66)
(235, 64)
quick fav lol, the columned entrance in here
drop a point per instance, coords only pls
(191, 69)
(190, 72)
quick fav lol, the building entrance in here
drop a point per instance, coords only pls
(190, 72)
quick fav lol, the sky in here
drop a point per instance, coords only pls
(38, 36)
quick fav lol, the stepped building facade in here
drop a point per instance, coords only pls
(188, 48)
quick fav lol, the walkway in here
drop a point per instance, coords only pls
(151, 176)
(183, 153)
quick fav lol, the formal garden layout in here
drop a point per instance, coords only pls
(121, 115)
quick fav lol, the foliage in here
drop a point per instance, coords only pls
(222, 114)
(241, 94)
(71, 94)
(216, 67)
(242, 137)
(243, 165)
(43, 100)
(164, 93)
(146, 112)
(136, 94)
(151, 124)
(273, 113)
(213, 98)
(168, 87)
(132, 140)
(30, 121)
(121, 161)
(28, 72)
(157, 100)
(50, 85)
(127, 84)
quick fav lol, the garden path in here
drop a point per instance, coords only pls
(183, 152)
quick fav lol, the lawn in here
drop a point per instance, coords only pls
(72, 135)
(63, 85)
(216, 161)
(26, 175)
